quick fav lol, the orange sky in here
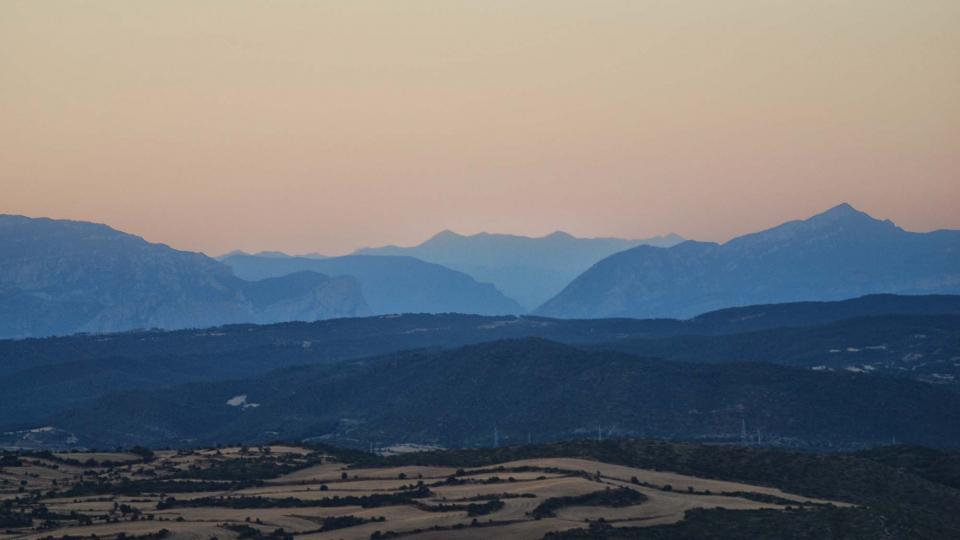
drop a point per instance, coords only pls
(324, 126)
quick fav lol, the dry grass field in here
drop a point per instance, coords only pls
(282, 492)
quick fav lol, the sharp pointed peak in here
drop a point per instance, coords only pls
(843, 208)
(842, 212)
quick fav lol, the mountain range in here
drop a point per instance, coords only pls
(529, 270)
(62, 277)
(390, 284)
(841, 253)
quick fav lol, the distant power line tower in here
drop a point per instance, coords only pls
(496, 437)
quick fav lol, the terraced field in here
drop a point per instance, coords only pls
(287, 491)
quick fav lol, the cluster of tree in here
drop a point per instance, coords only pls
(365, 501)
(896, 492)
(795, 524)
(245, 470)
(145, 454)
(246, 532)
(472, 509)
(383, 535)
(940, 466)
(14, 520)
(606, 497)
(122, 535)
(137, 487)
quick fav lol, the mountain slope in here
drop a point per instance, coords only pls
(457, 397)
(530, 270)
(390, 284)
(41, 377)
(842, 253)
(912, 347)
(924, 348)
(61, 277)
(339, 339)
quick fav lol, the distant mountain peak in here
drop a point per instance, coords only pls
(840, 253)
(528, 269)
(843, 212)
(233, 253)
(445, 234)
(842, 208)
(61, 277)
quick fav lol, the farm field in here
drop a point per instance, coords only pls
(290, 491)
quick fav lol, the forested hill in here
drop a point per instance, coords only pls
(373, 335)
(457, 397)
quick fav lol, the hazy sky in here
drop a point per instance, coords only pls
(324, 126)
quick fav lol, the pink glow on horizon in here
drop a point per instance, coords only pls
(328, 126)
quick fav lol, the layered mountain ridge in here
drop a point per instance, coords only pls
(841, 253)
(62, 277)
(390, 284)
(913, 339)
(527, 269)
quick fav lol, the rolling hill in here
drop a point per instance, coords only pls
(457, 397)
(924, 348)
(841, 253)
(611, 489)
(42, 377)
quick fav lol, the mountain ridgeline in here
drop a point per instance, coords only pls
(529, 388)
(841, 253)
(62, 277)
(897, 349)
(390, 284)
(529, 270)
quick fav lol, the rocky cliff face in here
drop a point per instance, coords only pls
(304, 296)
(60, 277)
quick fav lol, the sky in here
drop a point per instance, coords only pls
(324, 126)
